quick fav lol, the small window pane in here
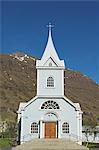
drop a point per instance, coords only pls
(50, 82)
(34, 127)
(65, 127)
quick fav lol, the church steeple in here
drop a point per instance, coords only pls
(50, 53)
(50, 67)
(50, 48)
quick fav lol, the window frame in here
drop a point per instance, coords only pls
(47, 103)
(50, 81)
(65, 128)
(36, 128)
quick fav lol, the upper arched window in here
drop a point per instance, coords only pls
(50, 82)
(50, 105)
(65, 127)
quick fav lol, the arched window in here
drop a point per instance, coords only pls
(65, 127)
(50, 105)
(34, 127)
(50, 82)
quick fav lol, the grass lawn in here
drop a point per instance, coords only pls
(91, 145)
(5, 142)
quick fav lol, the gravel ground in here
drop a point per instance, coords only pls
(10, 148)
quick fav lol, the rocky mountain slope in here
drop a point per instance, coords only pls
(18, 84)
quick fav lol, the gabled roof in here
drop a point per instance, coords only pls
(21, 106)
(75, 105)
(52, 62)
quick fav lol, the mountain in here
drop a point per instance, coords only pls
(18, 84)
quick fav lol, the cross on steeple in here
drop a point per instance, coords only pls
(50, 26)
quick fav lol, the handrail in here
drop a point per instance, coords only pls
(82, 139)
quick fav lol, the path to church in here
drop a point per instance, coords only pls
(52, 144)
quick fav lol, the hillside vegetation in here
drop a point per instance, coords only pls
(18, 84)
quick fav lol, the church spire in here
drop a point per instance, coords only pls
(50, 26)
(50, 48)
(50, 54)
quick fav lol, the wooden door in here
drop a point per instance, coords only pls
(50, 130)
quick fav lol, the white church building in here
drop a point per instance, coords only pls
(50, 114)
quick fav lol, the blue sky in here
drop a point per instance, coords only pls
(75, 32)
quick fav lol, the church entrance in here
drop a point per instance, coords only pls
(50, 129)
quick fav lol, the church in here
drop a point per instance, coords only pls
(50, 114)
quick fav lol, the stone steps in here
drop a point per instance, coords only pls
(50, 144)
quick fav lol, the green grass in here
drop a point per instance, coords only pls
(91, 145)
(5, 142)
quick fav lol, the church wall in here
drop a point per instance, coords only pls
(33, 113)
(52, 68)
(58, 76)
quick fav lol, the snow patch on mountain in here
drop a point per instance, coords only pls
(21, 57)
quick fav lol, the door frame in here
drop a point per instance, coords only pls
(56, 122)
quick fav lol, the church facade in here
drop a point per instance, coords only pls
(50, 114)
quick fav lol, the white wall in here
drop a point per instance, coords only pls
(42, 76)
(33, 113)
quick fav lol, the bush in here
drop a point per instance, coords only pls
(5, 142)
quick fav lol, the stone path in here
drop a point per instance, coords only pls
(50, 144)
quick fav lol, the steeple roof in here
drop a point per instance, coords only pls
(50, 52)
(50, 48)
